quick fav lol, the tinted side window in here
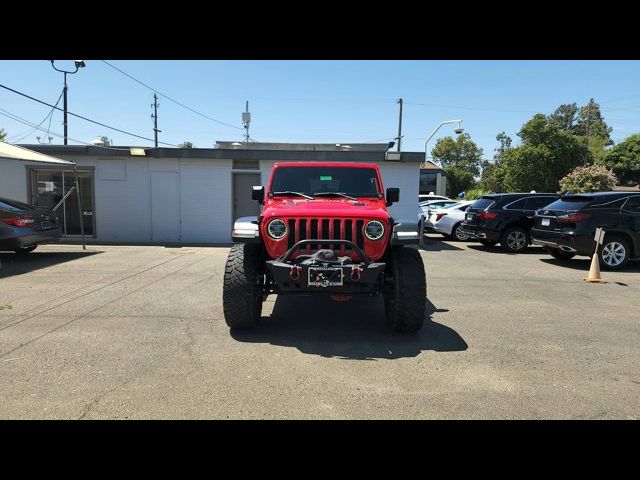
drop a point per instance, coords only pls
(633, 205)
(535, 203)
(517, 205)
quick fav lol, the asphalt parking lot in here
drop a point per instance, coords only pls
(137, 332)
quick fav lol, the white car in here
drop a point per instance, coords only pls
(425, 208)
(447, 221)
(425, 198)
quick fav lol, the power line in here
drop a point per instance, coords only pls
(169, 98)
(48, 115)
(18, 119)
(81, 117)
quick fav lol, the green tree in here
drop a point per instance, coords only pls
(624, 159)
(186, 145)
(593, 178)
(462, 153)
(546, 155)
(461, 160)
(590, 117)
(565, 117)
(3, 134)
(491, 180)
(458, 180)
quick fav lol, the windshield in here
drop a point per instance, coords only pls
(354, 182)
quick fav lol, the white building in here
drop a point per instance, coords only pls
(179, 195)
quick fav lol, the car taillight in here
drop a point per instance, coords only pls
(487, 215)
(439, 216)
(574, 217)
(19, 221)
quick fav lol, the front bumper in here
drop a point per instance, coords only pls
(481, 233)
(567, 242)
(358, 278)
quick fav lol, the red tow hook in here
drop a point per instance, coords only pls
(356, 273)
(294, 273)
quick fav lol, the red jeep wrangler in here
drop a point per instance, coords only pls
(325, 229)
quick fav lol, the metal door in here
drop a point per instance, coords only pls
(243, 205)
(165, 208)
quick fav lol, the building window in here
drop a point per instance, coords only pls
(49, 186)
(428, 181)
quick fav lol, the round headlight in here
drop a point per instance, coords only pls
(374, 230)
(277, 229)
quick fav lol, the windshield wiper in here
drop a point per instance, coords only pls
(292, 193)
(341, 194)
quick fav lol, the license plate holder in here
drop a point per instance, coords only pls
(545, 222)
(44, 225)
(325, 277)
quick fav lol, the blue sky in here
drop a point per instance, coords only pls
(317, 101)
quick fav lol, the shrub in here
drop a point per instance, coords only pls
(594, 178)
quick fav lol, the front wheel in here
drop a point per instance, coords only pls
(405, 290)
(614, 253)
(242, 288)
(514, 240)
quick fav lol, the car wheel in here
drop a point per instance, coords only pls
(559, 254)
(242, 287)
(458, 234)
(514, 240)
(405, 290)
(614, 253)
(25, 250)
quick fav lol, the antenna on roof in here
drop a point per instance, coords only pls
(246, 120)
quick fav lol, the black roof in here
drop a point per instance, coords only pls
(515, 195)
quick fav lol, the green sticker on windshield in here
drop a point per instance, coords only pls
(325, 178)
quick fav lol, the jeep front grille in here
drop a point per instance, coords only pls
(325, 229)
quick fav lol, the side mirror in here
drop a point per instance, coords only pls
(393, 196)
(258, 194)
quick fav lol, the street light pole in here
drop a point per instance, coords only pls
(79, 64)
(76, 184)
(458, 130)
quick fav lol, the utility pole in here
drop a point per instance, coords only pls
(400, 125)
(154, 115)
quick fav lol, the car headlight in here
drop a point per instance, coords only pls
(374, 230)
(277, 229)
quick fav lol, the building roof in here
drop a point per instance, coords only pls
(15, 152)
(307, 147)
(429, 165)
(253, 151)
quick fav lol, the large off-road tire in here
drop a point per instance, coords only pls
(559, 254)
(615, 252)
(514, 240)
(242, 289)
(405, 290)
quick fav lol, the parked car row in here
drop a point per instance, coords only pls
(564, 225)
(23, 227)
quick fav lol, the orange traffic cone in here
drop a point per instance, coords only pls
(594, 271)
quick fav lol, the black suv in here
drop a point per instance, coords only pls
(567, 227)
(505, 218)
